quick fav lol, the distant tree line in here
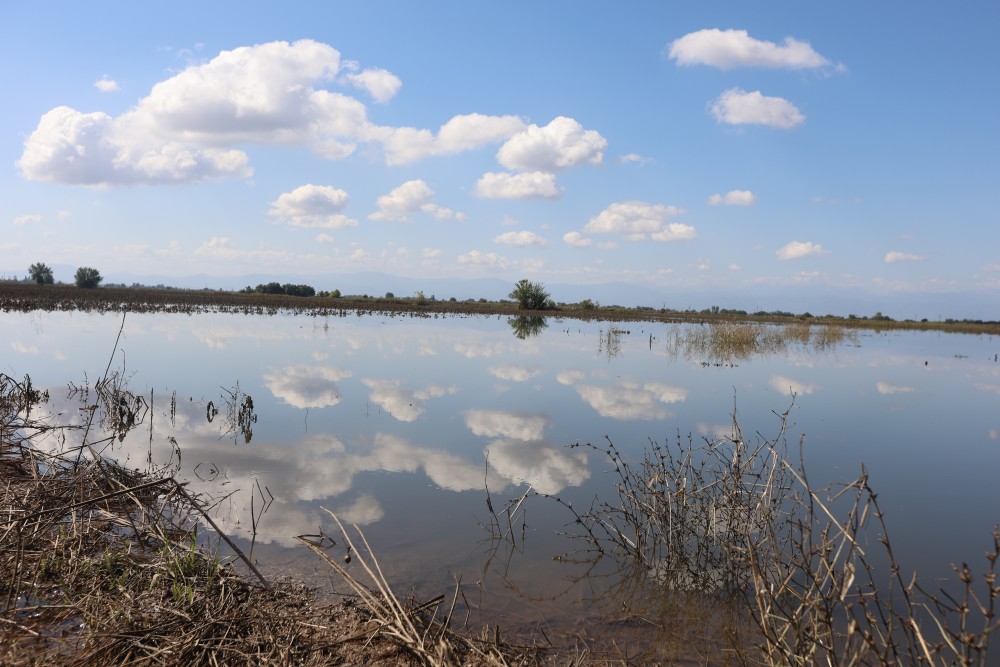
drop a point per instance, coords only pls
(277, 288)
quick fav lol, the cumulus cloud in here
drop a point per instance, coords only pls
(464, 132)
(529, 185)
(738, 107)
(570, 376)
(560, 144)
(381, 84)
(411, 197)
(785, 385)
(187, 129)
(734, 198)
(107, 85)
(638, 220)
(514, 373)
(311, 206)
(402, 404)
(729, 49)
(499, 423)
(548, 469)
(477, 258)
(628, 401)
(520, 239)
(577, 240)
(306, 386)
(895, 256)
(800, 249)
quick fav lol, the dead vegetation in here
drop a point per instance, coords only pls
(102, 564)
(734, 522)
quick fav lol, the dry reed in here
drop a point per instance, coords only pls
(813, 570)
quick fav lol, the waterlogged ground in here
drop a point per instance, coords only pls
(407, 426)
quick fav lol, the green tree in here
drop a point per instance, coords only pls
(41, 273)
(87, 277)
(529, 295)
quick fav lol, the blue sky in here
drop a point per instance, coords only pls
(726, 147)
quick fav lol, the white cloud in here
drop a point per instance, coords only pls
(548, 469)
(188, 127)
(22, 348)
(461, 133)
(637, 220)
(312, 206)
(728, 49)
(30, 218)
(633, 158)
(402, 404)
(786, 385)
(411, 197)
(738, 107)
(520, 239)
(560, 144)
(499, 423)
(381, 84)
(529, 185)
(799, 249)
(895, 256)
(734, 198)
(628, 401)
(514, 373)
(570, 376)
(107, 85)
(886, 388)
(364, 511)
(306, 386)
(324, 238)
(675, 231)
(577, 240)
(478, 258)
(184, 129)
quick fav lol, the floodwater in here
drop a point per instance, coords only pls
(400, 424)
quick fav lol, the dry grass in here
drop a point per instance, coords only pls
(811, 572)
(101, 564)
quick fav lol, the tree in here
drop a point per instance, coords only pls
(41, 273)
(529, 295)
(87, 277)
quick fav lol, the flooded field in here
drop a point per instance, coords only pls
(424, 430)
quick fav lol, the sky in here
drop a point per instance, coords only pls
(848, 148)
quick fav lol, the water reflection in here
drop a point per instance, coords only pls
(395, 423)
(526, 326)
(515, 425)
(630, 400)
(306, 386)
(725, 343)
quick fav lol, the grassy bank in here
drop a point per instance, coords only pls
(101, 564)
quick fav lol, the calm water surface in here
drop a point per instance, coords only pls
(399, 423)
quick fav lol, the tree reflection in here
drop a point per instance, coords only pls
(526, 326)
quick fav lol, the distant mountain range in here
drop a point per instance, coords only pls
(815, 300)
